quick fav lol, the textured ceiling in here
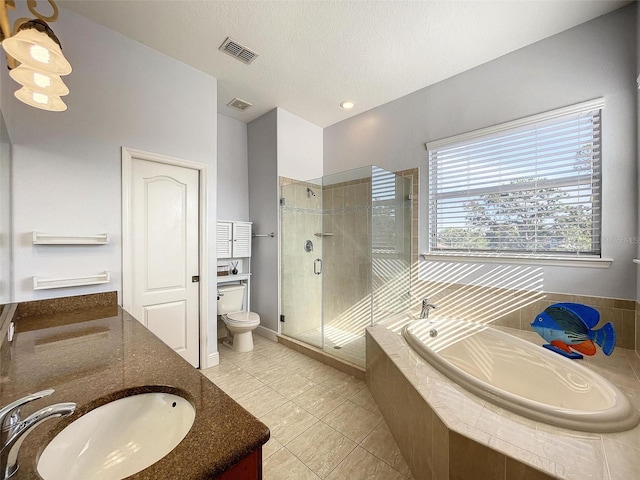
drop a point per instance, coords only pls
(314, 54)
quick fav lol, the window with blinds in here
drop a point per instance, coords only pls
(531, 186)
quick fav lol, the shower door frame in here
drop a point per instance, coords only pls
(299, 201)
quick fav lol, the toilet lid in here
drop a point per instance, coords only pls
(243, 317)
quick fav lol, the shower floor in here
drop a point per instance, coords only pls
(338, 342)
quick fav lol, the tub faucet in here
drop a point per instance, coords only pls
(13, 430)
(426, 306)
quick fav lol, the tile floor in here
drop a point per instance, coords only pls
(324, 423)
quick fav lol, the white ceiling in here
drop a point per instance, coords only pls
(316, 53)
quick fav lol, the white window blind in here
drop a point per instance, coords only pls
(529, 187)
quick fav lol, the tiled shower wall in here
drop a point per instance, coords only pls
(347, 249)
(301, 219)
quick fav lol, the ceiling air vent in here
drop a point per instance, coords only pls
(239, 104)
(237, 50)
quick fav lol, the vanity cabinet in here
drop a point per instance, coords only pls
(233, 239)
(249, 468)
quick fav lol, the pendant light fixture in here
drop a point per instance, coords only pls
(38, 80)
(38, 51)
(37, 99)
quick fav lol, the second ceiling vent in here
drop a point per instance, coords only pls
(239, 104)
(237, 50)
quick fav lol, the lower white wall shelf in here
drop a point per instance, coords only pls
(40, 238)
(41, 283)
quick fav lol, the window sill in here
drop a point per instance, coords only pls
(550, 260)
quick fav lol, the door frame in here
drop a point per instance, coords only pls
(128, 155)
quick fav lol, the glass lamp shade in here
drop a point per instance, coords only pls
(40, 100)
(36, 50)
(39, 81)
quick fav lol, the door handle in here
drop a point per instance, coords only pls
(317, 266)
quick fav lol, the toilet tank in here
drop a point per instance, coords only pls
(231, 298)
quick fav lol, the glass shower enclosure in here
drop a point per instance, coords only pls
(345, 257)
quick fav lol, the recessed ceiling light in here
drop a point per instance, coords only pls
(347, 105)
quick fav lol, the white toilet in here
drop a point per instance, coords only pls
(239, 323)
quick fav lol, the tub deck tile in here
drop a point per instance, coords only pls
(500, 423)
(529, 450)
(626, 459)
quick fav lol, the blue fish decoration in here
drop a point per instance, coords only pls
(570, 326)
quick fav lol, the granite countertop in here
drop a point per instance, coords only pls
(100, 353)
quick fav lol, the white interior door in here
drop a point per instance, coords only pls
(164, 250)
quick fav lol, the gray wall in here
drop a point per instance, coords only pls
(279, 144)
(67, 166)
(299, 147)
(6, 290)
(596, 59)
(263, 212)
(233, 166)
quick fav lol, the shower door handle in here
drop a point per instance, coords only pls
(317, 266)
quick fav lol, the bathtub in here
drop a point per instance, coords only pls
(520, 376)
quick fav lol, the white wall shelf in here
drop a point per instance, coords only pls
(240, 277)
(53, 239)
(40, 283)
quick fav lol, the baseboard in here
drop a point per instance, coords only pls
(213, 359)
(266, 333)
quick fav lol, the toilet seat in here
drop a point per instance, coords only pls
(242, 318)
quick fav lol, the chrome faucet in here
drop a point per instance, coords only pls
(10, 414)
(426, 306)
(13, 430)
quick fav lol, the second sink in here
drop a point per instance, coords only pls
(118, 439)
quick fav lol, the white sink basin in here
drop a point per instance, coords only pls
(118, 439)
